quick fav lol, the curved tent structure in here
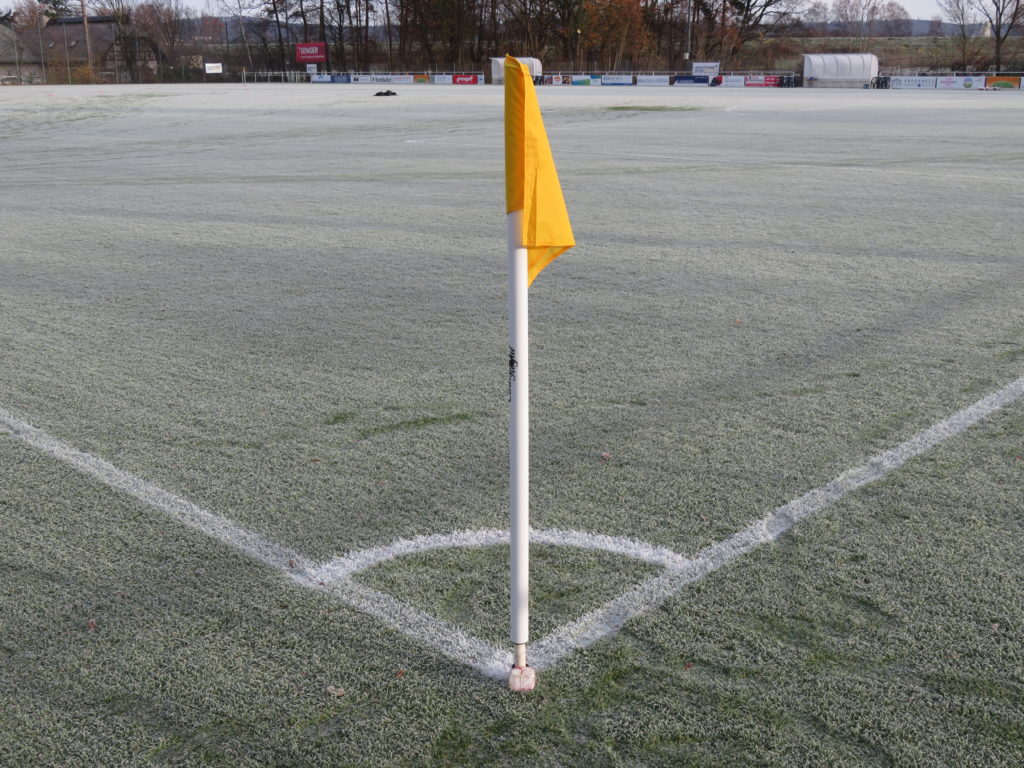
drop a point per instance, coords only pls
(839, 69)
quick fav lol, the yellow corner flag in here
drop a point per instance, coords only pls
(531, 181)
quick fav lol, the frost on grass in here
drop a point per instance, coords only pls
(470, 587)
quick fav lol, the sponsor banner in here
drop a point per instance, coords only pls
(402, 79)
(310, 53)
(341, 78)
(734, 81)
(321, 79)
(582, 80)
(467, 79)
(772, 81)
(311, 69)
(362, 78)
(557, 80)
(1002, 81)
(691, 80)
(900, 81)
(215, 68)
(616, 79)
(417, 79)
(651, 80)
(442, 79)
(706, 68)
(960, 83)
(754, 81)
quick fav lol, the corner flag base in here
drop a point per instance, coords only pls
(522, 679)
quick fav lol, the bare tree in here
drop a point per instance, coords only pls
(161, 22)
(240, 10)
(1004, 17)
(964, 18)
(858, 17)
(817, 14)
(893, 20)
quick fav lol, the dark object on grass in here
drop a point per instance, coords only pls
(385, 93)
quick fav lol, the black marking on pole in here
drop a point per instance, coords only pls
(512, 365)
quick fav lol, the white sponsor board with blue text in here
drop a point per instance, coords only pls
(901, 81)
(652, 80)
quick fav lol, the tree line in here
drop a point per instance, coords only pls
(570, 35)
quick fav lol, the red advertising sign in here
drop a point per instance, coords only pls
(310, 53)
(466, 79)
(772, 81)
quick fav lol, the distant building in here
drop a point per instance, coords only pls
(19, 59)
(59, 50)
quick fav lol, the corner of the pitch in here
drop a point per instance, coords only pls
(522, 679)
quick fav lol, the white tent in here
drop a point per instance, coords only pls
(839, 69)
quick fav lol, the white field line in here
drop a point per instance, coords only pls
(445, 637)
(335, 577)
(603, 621)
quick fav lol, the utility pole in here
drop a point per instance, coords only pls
(42, 51)
(88, 41)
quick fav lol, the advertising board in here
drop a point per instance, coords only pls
(754, 81)
(402, 79)
(214, 68)
(321, 79)
(442, 79)
(734, 81)
(706, 68)
(693, 81)
(1002, 81)
(581, 80)
(616, 79)
(903, 81)
(960, 82)
(310, 53)
(467, 79)
(421, 79)
(341, 78)
(652, 80)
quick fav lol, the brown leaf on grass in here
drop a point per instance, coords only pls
(92, 625)
(401, 673)
(336, 692)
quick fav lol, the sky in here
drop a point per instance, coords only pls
(921, 9)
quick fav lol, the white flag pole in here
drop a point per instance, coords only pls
(522, 677)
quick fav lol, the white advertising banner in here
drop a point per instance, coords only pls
(709, 68)
(320, 78)
(901, 81)
(362, 78)
(215, 69)
(616, 79)
(734, 81)
(961, 83)
(402, 79)
(442, 79)
(652, 80)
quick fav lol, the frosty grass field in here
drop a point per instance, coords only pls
(283, 307)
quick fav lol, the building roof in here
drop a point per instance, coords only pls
(70, 32)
